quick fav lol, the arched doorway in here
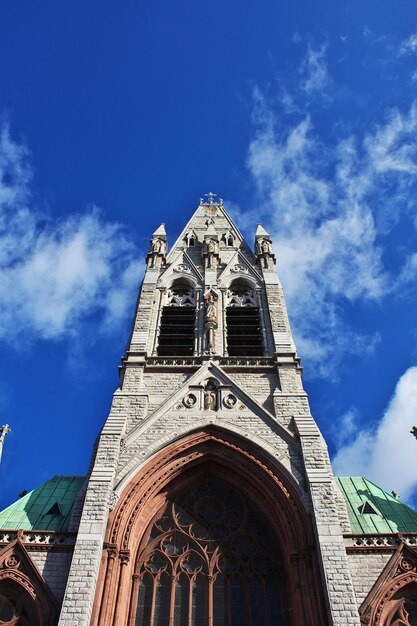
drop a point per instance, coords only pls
(209, 557)
(248, 547)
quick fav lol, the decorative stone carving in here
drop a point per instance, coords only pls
(183, 268)
(210, 396)
(190, 400)
(264, 252)
(113, 498)
(181, 296)
(12, 561)
(241, 296)
(266, 247)
(211, 309)
(209, 400)
(210, 299)
(230, 401)
(239, 268)
(210, 250)
(158, 248)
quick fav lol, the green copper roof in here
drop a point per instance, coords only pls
(373, 510)
(47, 507)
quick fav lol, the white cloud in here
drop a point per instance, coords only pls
(346, 427)
(313, 71)
(56, 276)
(387, 454)
(409, 46)
(328, 206)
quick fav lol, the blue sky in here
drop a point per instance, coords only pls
(117, 116)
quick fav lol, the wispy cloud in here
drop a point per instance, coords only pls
(313, 71)
(409, 45)
(56, 276)
(387, 453)
(329, 205)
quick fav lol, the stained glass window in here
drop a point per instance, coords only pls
(210, 558)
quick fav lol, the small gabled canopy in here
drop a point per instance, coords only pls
(211, 232)
(47, 507)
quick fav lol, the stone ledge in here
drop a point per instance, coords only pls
(378, 542)
(39, 539)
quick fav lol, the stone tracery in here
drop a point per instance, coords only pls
(210, 548)
(215, 454)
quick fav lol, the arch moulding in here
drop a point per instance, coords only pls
(238, 463)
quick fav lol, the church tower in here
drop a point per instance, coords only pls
(210, 499)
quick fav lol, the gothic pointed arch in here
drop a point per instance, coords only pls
(153, 555)
(25, 598)
(392, 600)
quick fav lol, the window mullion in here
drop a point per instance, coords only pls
(174, 580)
(191, 582)
(153, 601)
(210, 599)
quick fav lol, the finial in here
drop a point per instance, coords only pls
(208, 200)
(210, 196)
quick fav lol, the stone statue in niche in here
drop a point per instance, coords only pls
(211, 246)
(211, 309)
(210, 319)
(212, 249)
(210, 396)
(266, 247)
(158, 246)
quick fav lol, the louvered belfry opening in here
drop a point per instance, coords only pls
(244, 330)
(176, 332)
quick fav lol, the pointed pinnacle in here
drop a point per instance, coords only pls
(160, 232)
(261, 232)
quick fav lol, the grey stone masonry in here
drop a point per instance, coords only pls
(259, 398)
(82, 580)
(341, 600)
(366, 568)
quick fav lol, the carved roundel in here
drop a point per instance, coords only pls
(12, 561)
(190, 400)
(230, 401)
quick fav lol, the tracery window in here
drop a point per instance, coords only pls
(210, 558)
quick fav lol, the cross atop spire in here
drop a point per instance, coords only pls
(210, 199)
